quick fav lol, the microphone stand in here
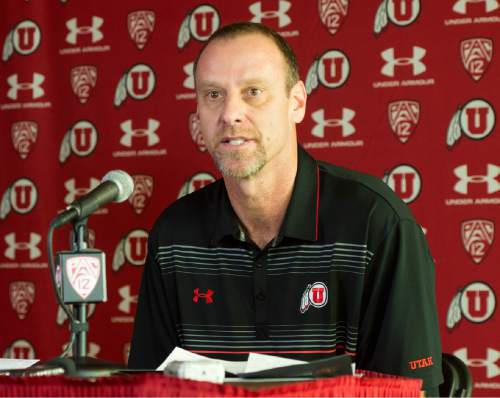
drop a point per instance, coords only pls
(67, 292)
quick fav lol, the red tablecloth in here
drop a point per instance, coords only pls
(149, 385)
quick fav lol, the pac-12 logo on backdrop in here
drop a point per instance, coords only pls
(80, 139)
(141, 24)
(333, 14)
(332, 70)
(403, 118)
(83, 80)
(405, 181)
(24, 39)
(476, 120)
(476, 54)
(20, 197)
(138, 83)
(398, 12)
(315, 295)
(477, 237)
(23, 135)
(476, 302)
(199, 24)
(22, 295)
(143, 190)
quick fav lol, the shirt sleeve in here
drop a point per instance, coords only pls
(399, 330)
(154, 335)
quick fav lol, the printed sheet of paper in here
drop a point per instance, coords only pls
(179, 354)
(258, 362)
(7, 363)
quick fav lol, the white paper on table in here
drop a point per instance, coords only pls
(258, 362)
(8, 363)
(179, 354)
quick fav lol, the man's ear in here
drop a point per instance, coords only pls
(298, 99)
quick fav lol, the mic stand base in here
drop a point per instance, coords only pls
(84, 366)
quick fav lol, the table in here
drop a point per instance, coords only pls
(158, 385)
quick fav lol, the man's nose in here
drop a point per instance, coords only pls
(233, 110)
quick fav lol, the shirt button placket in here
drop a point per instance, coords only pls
(260, 294)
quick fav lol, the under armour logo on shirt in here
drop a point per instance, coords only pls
(208, 296)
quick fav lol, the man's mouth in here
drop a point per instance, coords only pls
(234, 141)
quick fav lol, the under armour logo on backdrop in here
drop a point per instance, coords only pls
(93, 30)
(207, 296)
(281, 13)
(35, 86)
(490, 362)
(460, 6)
(415, 61)
(149, 132)
(13, 245)
(344, 122)
(464, 179)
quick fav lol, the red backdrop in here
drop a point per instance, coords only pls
(406, 90)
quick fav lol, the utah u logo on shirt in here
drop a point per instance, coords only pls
(316, 294)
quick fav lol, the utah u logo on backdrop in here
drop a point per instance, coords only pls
(398, 12)
(199, 24)
(23, 39)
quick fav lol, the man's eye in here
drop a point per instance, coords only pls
(213, 94)
(253, 92)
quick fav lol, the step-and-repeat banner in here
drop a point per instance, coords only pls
(406, 90)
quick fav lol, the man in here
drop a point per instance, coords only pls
(284, 255)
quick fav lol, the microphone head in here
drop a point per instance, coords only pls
(123, 181)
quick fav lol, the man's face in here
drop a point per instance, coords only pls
(246, 116)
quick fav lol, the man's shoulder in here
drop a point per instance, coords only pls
(363, 188)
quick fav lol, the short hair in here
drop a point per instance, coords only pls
(243, 28)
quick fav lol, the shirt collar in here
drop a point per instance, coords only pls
(301, 218)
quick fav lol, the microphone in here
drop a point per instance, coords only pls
(115, 186)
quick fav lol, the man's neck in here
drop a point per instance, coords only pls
(260, 202)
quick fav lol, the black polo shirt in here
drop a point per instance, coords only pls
(350, 272)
